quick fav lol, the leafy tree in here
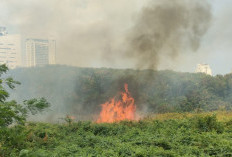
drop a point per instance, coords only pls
(81, 90)
(12, 112)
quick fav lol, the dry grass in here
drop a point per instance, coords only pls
(221, 115)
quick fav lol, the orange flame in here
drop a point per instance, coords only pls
(118, 110)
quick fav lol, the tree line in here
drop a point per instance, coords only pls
(80, 91)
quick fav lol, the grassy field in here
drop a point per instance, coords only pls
(170, 134)
(221, 116)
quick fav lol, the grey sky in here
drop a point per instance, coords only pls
(86, 30)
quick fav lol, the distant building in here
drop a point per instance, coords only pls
(40, 52)
(10, 49)
(204, 68)
(3, 31)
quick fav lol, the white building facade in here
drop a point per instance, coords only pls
(204, 68)
(10, 49)
(40, 52)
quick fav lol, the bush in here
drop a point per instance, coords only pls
(209, 123)
(13, 117)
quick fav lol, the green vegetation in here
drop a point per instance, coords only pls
(196, 136)
(80, 91)
(178, 124)
(13, 115)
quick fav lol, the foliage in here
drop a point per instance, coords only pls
(209, 123)
(195, 136)
(82, 90)
(36, 105)
(13, 115)
(10, 111)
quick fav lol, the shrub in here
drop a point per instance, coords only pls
(209, 123)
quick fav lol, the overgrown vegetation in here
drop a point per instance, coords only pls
(191, 132)
(199, 135)
(80, 91)
(14, 114)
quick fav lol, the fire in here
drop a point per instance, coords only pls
(118, 110)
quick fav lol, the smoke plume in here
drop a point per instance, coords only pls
(86, 32)
(167, 28)
(101, 32)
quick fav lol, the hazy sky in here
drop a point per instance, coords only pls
(91, 32)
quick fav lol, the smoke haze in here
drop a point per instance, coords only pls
(169, 28)
(87, 32)
(131, 34)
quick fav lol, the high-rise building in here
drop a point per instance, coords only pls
(3, 31)
(10, 49)
(204, 68)
(40, 52)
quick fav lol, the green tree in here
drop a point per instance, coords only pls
(11, 111)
